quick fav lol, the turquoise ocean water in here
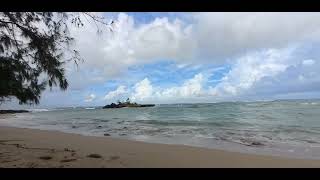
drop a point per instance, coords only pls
(282, 128)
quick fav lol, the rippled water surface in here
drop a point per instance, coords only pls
(285, 128)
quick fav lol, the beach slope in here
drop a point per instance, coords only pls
(37, 148)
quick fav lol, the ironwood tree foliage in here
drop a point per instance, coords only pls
(34, 46)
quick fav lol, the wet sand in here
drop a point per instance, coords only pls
(37, 148)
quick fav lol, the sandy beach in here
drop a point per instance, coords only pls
(37, 148)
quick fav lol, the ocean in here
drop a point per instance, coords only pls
(289, 128)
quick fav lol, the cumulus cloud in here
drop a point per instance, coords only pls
(142, 90)
(116, 93)
(191, 87)
(308, 62)
(299, 78)
(131, 44)
(208, 38)
(251, 68)
(222, 36)
(90, 98)
(269, 73)
(260, 49)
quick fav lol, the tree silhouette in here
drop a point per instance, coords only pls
(34, 45)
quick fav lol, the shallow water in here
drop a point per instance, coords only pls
(285, 128)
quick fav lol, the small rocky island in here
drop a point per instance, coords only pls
(127, 103)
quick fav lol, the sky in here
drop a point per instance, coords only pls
(193, 58)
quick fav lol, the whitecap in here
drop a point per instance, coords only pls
(38, 110)
(309, 103)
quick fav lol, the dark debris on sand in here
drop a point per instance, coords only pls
(45, 157)
(94, 156)
(68, 160)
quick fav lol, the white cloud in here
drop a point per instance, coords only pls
(90, 98)
(250, 69)
(269, 74)
(308, 62)
(208, 38)
(255, 45)
(222, 35)
(116, 93)
(142, 90)
(191, 87)
(131, 44)
(296, 79)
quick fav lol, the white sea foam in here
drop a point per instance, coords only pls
(38, 110)
(309, 103)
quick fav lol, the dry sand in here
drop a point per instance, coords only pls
(36, 148)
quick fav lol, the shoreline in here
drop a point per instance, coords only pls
(22, 147)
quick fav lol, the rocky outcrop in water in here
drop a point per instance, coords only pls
(127, 104)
